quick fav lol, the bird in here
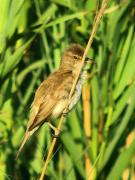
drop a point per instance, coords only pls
(52, 96)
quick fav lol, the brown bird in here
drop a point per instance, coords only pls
(51, 97)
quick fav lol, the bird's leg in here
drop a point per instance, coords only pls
(56, 130)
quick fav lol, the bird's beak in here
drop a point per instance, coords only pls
(89, 61)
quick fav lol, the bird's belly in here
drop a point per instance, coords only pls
(59, 108)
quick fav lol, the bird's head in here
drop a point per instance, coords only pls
(72, 58)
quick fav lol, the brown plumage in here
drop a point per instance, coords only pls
(51, 97)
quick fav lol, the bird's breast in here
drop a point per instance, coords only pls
(81, 82)
(76, 96)
(62, 104)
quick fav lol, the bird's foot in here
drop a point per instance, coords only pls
(57, 133)
(56, 130)
(65, 112)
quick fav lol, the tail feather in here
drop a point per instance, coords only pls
(28, 133)
(25, 138)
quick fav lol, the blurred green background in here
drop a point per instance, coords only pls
(33, 35)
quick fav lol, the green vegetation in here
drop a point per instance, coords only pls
(33, 35)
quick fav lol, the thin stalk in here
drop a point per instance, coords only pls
(87, 123)
(103, 146)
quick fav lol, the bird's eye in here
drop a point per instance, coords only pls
(75, 57)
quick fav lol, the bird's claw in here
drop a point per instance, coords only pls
(65, 112)
(56, 133)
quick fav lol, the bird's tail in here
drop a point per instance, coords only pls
(28, 133)
(25, 138)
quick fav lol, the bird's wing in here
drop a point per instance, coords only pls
(48, 94)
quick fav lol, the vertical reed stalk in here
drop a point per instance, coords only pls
(87, 123)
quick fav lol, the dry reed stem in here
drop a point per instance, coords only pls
(87, 123)
(95, 25)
